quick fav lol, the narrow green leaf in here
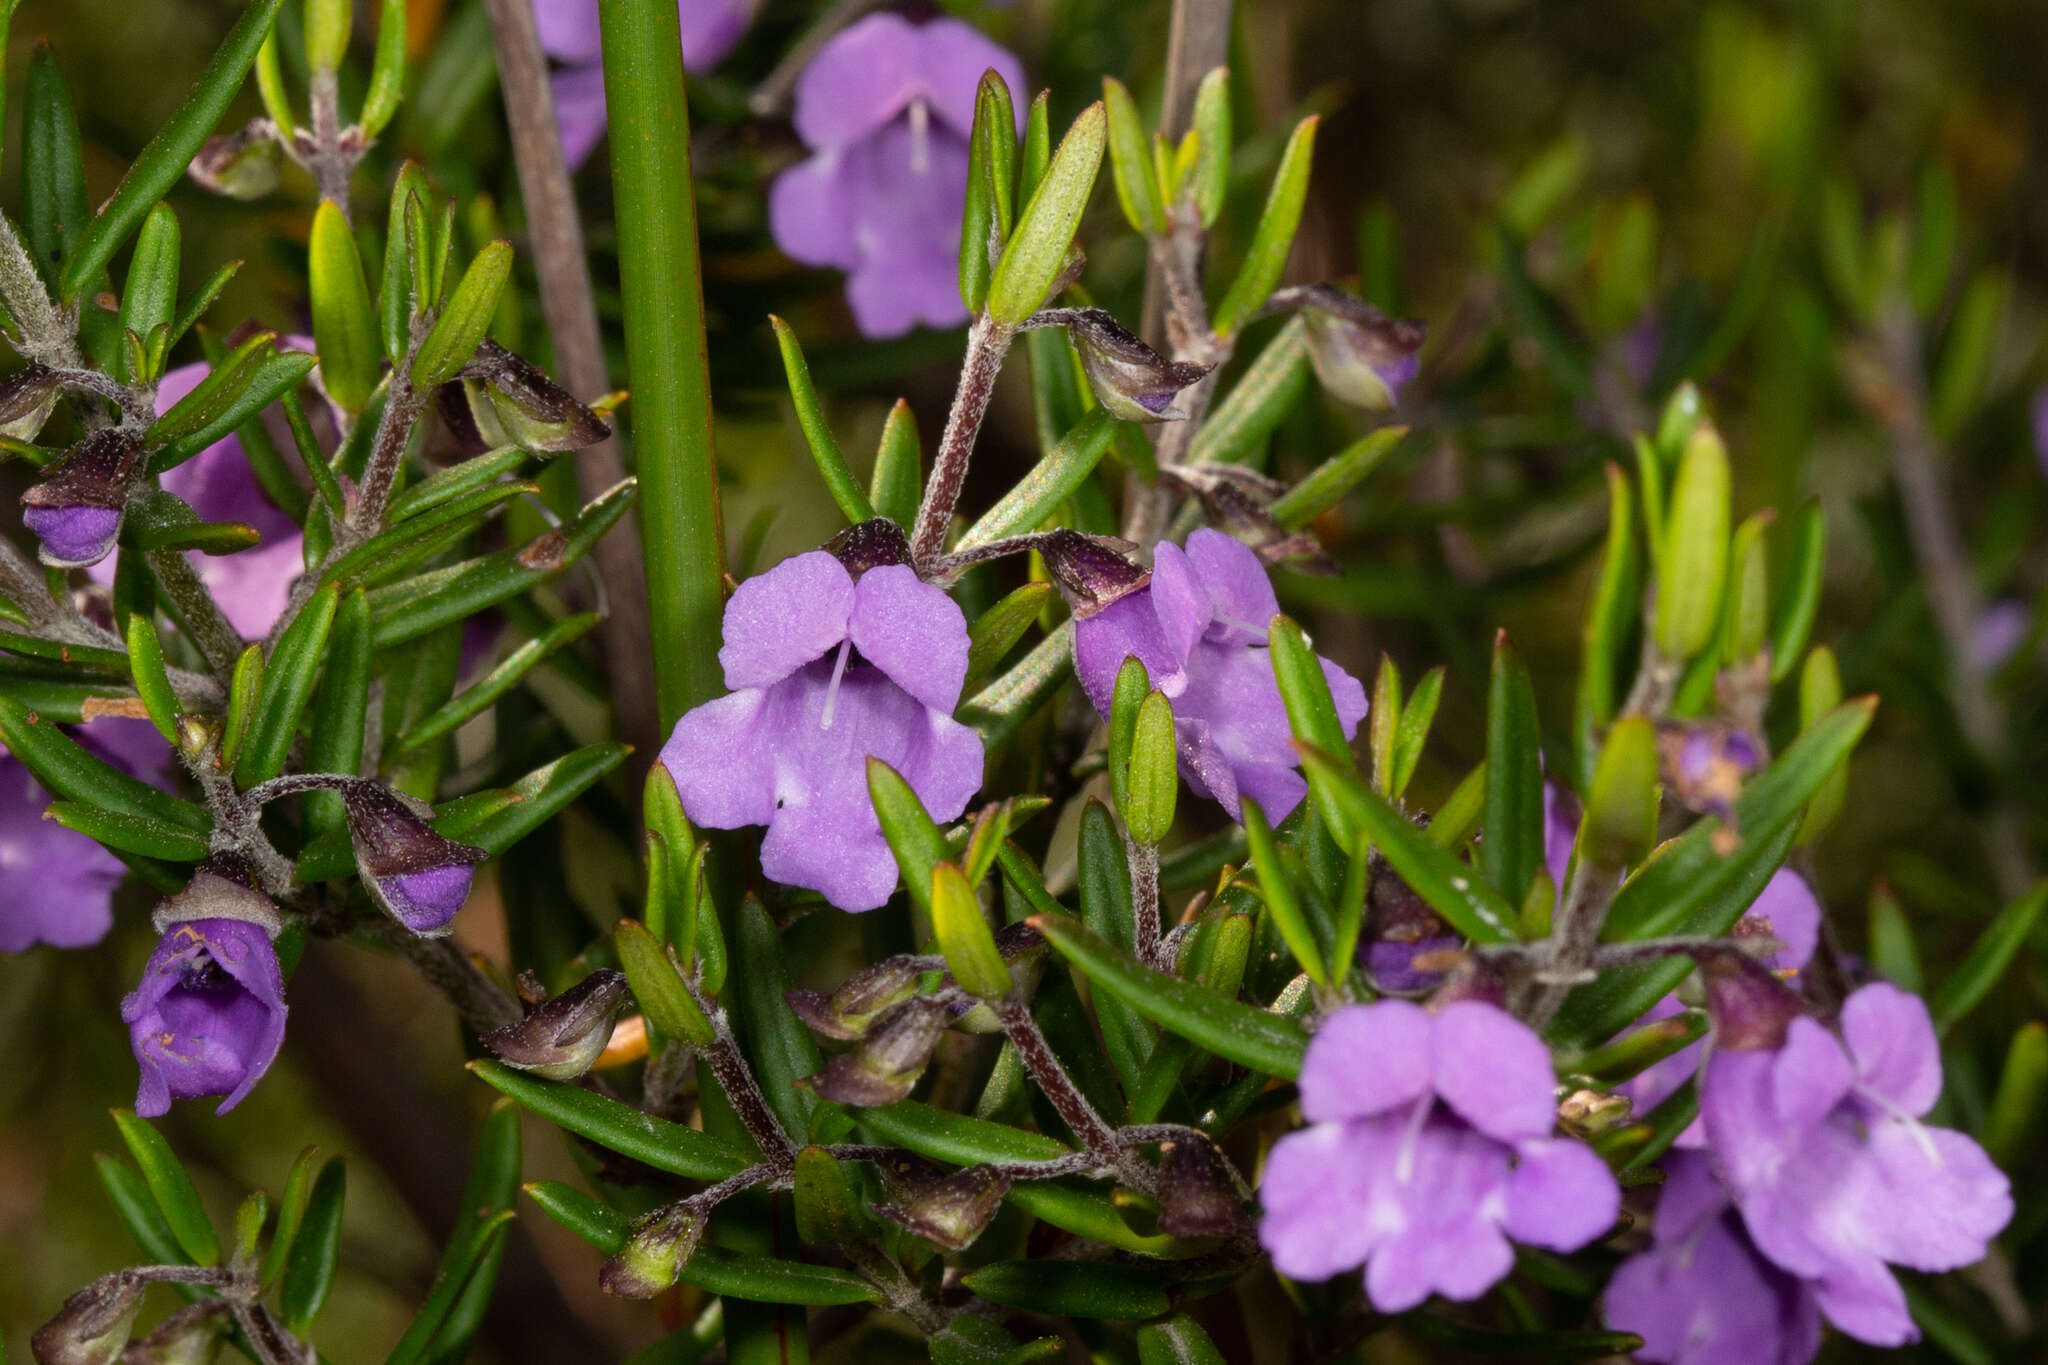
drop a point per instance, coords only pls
(1889, 942)
(129, 833)
(472, 1250)
(1524, 1346)
(617, 1127)
(1236, 429)
(1446, 885)
(457, 480)
(291, 1212)
(1138, 190)
(163, 521)
(316, 1251)
(996, 632)
(1106, 909)
(1037, 251)
(149, 296)
(152, 682)
(1512, 848)
(163, 161)
(288, 680)
(398, 548)
(1278, 894)
(1693, 565)
(1968, 350)
(1413, 733)
(899, 468)
(69, 772)
(964, 937)
(170, 1187)
(1311, 712)
(274, 375)
(54, 208)
(137, 1210)
(341, 711)
(407, 610)
(1267, 1042)
(398, 293)
(991, 168)
(1209, 179)
(270, 86)
(1328, 483)
(1070, 1289)
(1179, 1340)
(1273, 238)
(344, 321)
(1126, 696)
(245, 687)
(465, 319)
(657, 986)
(810, 415)
(1987, 959)
(479, 696)
(591, 1219)
(1799, 599)
(1154, 772)
(2018, 1103)
(1036, 154)
(387, 69)
(1638, 1050)
(1051, 482)
(1614, 609)
(913, 838)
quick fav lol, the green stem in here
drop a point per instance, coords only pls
(683, 541)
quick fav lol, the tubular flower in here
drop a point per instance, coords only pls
(1703, 1294)
(1819, 1141)
(828, 672)
(1200, 630)
(208, 1016)
(569, 34)
(1429, 1147)
(886, 108)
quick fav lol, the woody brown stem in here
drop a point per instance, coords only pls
(987, 343)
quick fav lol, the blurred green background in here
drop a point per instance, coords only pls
(1585, 201)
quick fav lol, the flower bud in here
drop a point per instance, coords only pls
(1133, 382)
(239, 165)
(76, 510)
(846, 1013)
(947, 1209)
(1361, 355)
(499, 399)
(560, 1039)
(1751, 1007)
(1408, 945)
(874, 544)
(26, 402)
(1091, 571)
(190, 1336)
(1586, 1114)
(1240, 501)
(417, 876)
(92, 1326)
(654, 1253)
(1621, 810)
(1023, 950)
(1198, 1195)
(886, 1064)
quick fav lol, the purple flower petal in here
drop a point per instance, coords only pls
(780, 620)
(56, 885)
(908, 194)
(1891, 1038)
(712, 28)
(1438, 1200)
(1367, 1059)
(569, 29)
(1315, 1183)
(425, 901)
(812, 213)
(1243, 604)
(721, 756)
(876, 68)
(954, 55)
(1487, 1065)
(73, 536)
(1866, 1302)
(1126, 628)
(1789, 906)
(1560, 1195)
(913, 632)
(208, 1016)
(1179, 599)
(1715, 1301)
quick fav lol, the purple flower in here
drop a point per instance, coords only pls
(1703, 1294)
(828, 672)
(208, 1016)
(56, 885)
(1428, 1148)
(1200, 630)
(569, 34)
(886, 108)
(2001, 628)
(1819, 1142)
(253, 585)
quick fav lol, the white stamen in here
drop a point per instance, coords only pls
(1913, 1125)
(1404, 1166)
(832, 691)
(920, 137)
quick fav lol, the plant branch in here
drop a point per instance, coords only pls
(1051, 1077)
(219, 643)
(987, 343)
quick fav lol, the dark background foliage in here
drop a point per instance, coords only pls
(1482, 166)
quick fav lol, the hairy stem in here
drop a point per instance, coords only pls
(1073, 1107)
(736, 1079)
(1144, 862)
(987, 343)
(329, 162)
(402, 410)
(1574, 934)
(482, 1005)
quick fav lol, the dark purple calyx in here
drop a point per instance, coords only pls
(872, 544)
(415, 874)
(500, 399)
(1240, 501)
(1130, 379)
(561, 1038)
